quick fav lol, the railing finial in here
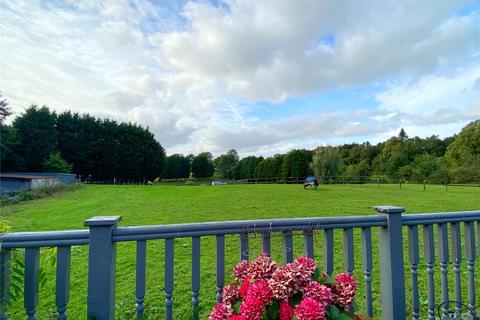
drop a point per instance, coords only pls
(389, 209)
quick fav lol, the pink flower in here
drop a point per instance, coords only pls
(260, 290)
(245, 286)
(306, 264)
(262, 267)
(221, 312)
(237, 317)
(283, 283)
(344, 290)
(310, 309)
(252, 308)
(319, 292)
(230, 294)
(240, 271)
(285, 311)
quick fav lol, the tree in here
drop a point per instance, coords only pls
(296, 163)
(424, 166)
(402, 135)
(176, 166)
(226, 162)
(5, 111)
(246, 167)
(465, 146)
(37, 136)
(270, 167)
(55, 163)
(202, 165)
(326, 163)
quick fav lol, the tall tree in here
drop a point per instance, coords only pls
(226, 162)
(5, 110)
(296, 163)
(176, 166)
(202, 165)
(327, 163)
(37, 136)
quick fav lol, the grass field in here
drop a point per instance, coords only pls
(142, 205)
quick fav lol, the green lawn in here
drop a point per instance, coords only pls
(144, 205)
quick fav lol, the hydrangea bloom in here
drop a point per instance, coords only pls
(282, 283)
(285, 311)
(252, 307)
(240, 271)
(344, 290)
(262, 267)
(245, 286)
(260, 290)
(221, 312)
(319, 292)
(310, 309)
(230, 294)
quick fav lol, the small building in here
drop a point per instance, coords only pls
(18, 181)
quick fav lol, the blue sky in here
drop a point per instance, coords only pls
(262, 77)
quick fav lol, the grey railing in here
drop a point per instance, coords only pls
(392, 225)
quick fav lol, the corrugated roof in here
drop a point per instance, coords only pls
(20, 176)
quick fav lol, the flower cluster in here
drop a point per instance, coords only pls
(264, 290)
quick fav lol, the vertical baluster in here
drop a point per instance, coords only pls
(32, 262)
(443, 257)
(478, 237)
(140, 277)
(195, 275)
(414, 258)
(367, 266)
(328, 251)
(244, 246)
(169, 245)
(348, 249)
(308, 243)
(5, 270)
(266, 242)
(457, 260)
(429, 252)
(470, 255)
(220, 265)
(62, 281)
(287, 246)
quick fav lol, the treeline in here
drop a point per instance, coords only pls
(401, 158)
(97, 150)
(108, 151)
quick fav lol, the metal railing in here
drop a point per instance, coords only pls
(103, 236)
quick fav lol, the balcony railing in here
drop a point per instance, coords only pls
(392, 225)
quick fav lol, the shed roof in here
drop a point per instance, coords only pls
(26, 177)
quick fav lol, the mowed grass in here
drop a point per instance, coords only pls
(146, 205)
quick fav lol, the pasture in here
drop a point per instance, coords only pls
(145, 205)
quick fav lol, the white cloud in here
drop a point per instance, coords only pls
(193, 72)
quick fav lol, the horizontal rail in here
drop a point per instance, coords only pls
(249, 226)
(44, 239)
(442, 217)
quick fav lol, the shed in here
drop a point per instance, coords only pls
(13, 182)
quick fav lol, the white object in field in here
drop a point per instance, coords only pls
(218, 183)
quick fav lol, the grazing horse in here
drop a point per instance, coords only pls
(311, 182)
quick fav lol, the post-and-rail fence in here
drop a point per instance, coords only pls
(104, 234)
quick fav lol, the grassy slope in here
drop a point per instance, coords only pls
(141, 205)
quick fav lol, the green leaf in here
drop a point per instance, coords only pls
(354, 307)
(272, 311)
(332, 312)
(295, 299)
(236, 307)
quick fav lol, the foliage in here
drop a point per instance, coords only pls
(202, 165)
(270, 167)
(55, 163)
(327, 163)
(5, 110)
(226, 162)
(37, 136)
(296, 163)
(176, 167)
(245, 169)
(38, 193)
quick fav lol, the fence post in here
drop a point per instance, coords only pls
(101, 268)
(391, 263)
(5, 267)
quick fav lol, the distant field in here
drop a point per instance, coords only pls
(142, 205)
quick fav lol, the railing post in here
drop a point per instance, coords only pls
(101, 268)
(5, 266)
(391, 264)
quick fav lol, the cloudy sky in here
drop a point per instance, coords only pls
(262, 77)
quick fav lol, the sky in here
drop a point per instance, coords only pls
(262, 77)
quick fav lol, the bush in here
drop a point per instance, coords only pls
(37, 193)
